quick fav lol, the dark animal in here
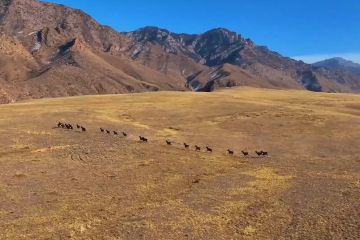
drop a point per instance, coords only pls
(102, 130)
(245, 153)
(230, 152)
(115, 132)
(186, 145)
(259, 153)
(197, 148)
(143, 139)
(107, 131)
(168, 142)
(62, 125)
(209, 149)
(265, 153)
(59, 125)
(78, 126)
(124, 134)
(71, 127)
(83, 129)
(67, 126)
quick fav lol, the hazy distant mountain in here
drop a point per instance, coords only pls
(340, 64)
(342, 71)
(48, 50)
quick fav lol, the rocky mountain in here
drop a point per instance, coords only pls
(341, 70)
(49, 50)
(339, 64)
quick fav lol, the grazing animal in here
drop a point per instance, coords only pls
(186, 145)
(102, 130)
(67, 126)
(230, 152)
(197, 148)
(83, 129)
(62, 125)
(124, 134)
(168, 142)
(107, 131)
(143, 139)
(209, 149)
(59, 125)
(78, 126)
(71, 127)
(115, 132)
(265, 153)
(259, 153)
(245, 153)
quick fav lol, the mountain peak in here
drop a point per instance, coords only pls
(220, 29)
(151, 29)
(339, 63)
(222, 33)
(339, 60)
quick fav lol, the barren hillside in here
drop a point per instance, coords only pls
(49, 50)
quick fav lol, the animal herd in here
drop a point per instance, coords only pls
(167, 141)
(229, 151)
(116, 133)
(68, 126)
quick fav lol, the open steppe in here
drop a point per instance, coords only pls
(61, 184)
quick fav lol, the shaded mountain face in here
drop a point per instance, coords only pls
(49, 50)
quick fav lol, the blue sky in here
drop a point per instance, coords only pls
(310, 30)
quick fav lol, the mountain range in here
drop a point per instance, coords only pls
(49, 50)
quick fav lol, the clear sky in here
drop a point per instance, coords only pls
(310, 30)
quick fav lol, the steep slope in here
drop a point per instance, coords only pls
(16, 65)
(70, 54)
(43, 24)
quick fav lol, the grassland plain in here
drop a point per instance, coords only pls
(59, 184)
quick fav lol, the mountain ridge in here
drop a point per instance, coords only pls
(69, 53)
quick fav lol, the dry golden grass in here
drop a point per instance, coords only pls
(58, 184)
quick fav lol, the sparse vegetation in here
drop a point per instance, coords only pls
(57, 183)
